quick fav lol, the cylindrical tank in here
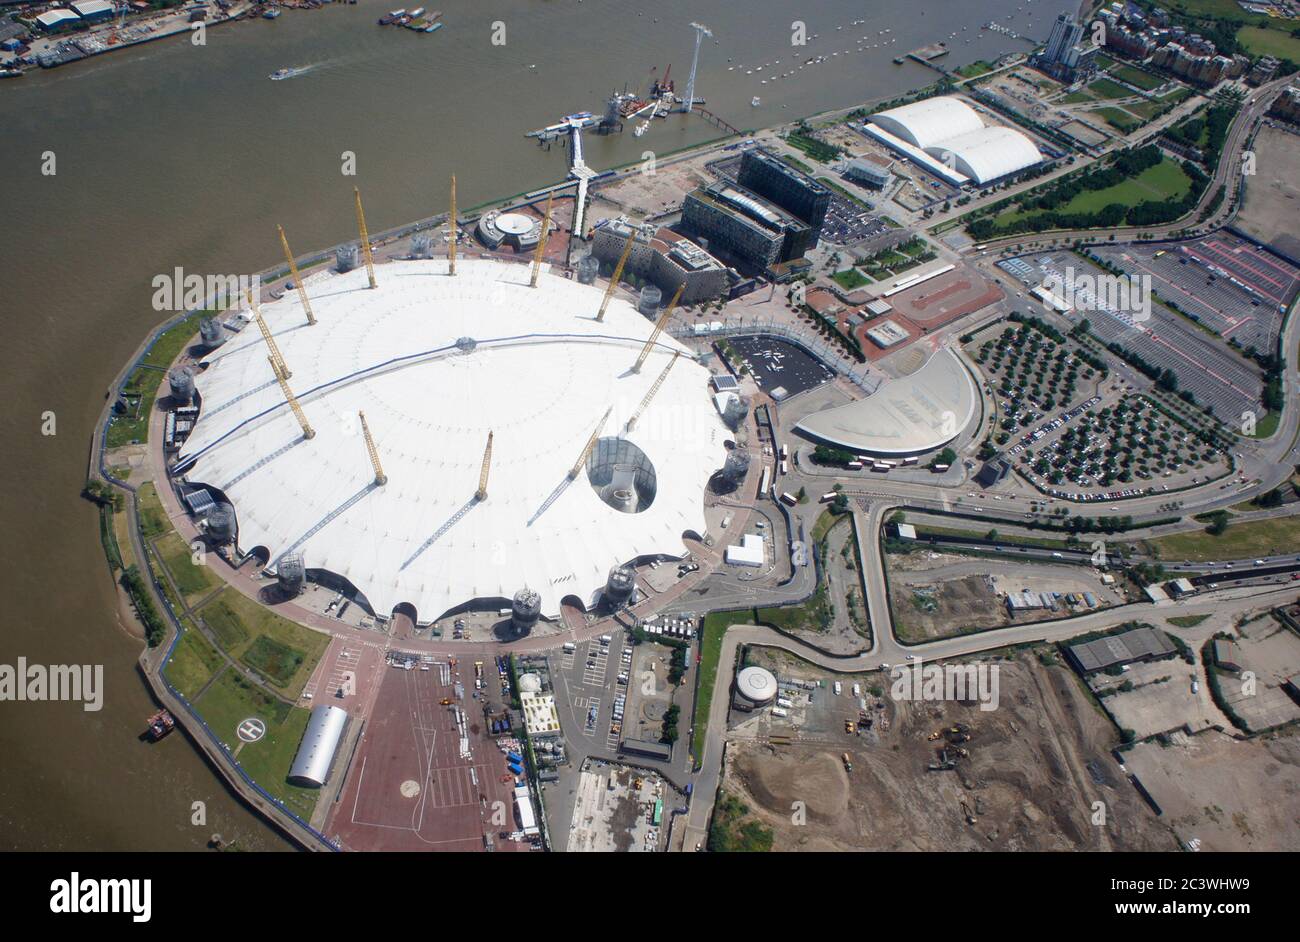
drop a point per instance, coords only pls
(756, 686)
(346, 257)
(221, 524)
(525, 610)
(648, 302)
(291, 573)
(619, 586)
(421, 245)
(181, 382)
(211, 332)
(588, 269)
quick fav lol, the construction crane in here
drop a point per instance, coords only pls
(380, 478)
(365, 238)
(277, 361)
(297, 278)
(541, 240)
(591, 443)
(481, 493)
(700, 32)
(650, 393)
(307, 431)
(618, 273)
(451, 218)
(659, 329)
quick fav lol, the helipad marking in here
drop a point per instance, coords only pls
(252, 729)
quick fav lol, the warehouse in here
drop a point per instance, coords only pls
(311, 764)
(1140, 644)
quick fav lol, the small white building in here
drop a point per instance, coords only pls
(748, 552)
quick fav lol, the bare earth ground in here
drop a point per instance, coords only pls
(1036, 766)
(1228, 794)
(1273, 196)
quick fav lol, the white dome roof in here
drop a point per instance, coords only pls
(756, 684)
(925, 123)
(530, 683)
(988, 153)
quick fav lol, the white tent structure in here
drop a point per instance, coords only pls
(539, 374)
(951, 133)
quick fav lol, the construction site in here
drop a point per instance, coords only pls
(925, 776)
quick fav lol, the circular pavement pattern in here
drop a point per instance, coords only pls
(410, 788)
(252, 729)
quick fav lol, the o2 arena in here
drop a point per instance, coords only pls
(415, 505)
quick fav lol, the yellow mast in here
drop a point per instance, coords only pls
(451, 247)
(659, 329)
(541, 240)
(618, 273)
(481, 493)
(297, 278)
(591, 443)
(307, 430)
(277, 361)
(380, 478)
(650, 393)
(365, 238)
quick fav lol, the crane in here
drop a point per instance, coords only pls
(618, 273)
(307, 431)
(659, 329)
(481, 493)
(451, 218)
(277, 361)
(365, 238)
(380, 478)
(650, 393)
(591, 443)
(297, 278)
(541, 240)
(700, 32)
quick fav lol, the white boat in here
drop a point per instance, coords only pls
(756, 101)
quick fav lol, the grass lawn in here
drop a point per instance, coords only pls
(1079, 97)
(153, 520)
(1266, 426)
(850, 279)
(1161, 183)
(1107, 88)
(193, 581)
(1118, 118)
(1269, 42)
(240, 623)
(169, 344)
(1137, 78)
(714, 627)
(1186, 621)
(192, 663)
(232, 699)
(125, 429)
(975, 69)
(1257, 538)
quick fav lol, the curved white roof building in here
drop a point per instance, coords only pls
(945, 125)
(320, 740)
(908, 415)
(756, 684)
(539, 375)
(930, 121)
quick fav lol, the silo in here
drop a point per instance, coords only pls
(648, 303)
(619, 586)
(291, 573)
(221, 525)
(588, 269)
(346, 257)
(735, 412)
(421, 245)
(211, 332)
(181, 381)
(526, 610)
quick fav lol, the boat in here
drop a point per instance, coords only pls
(160, 724)
(271, 13)
(280, 74)
(433, 27)
(418, 11)
(755, 101)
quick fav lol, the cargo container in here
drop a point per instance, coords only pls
(515, 757)
(778, 711)
(789, 498)
(827, 498)
(784, 703)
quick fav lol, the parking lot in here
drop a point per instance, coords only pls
(1221, 380)
(1232, 287)
(781, 369)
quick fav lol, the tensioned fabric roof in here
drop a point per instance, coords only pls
(542, 375)
(946, 125)
(927, 122)
(905, 416)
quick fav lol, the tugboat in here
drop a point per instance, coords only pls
(160, 724)
(271, 13)
(280, 74)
